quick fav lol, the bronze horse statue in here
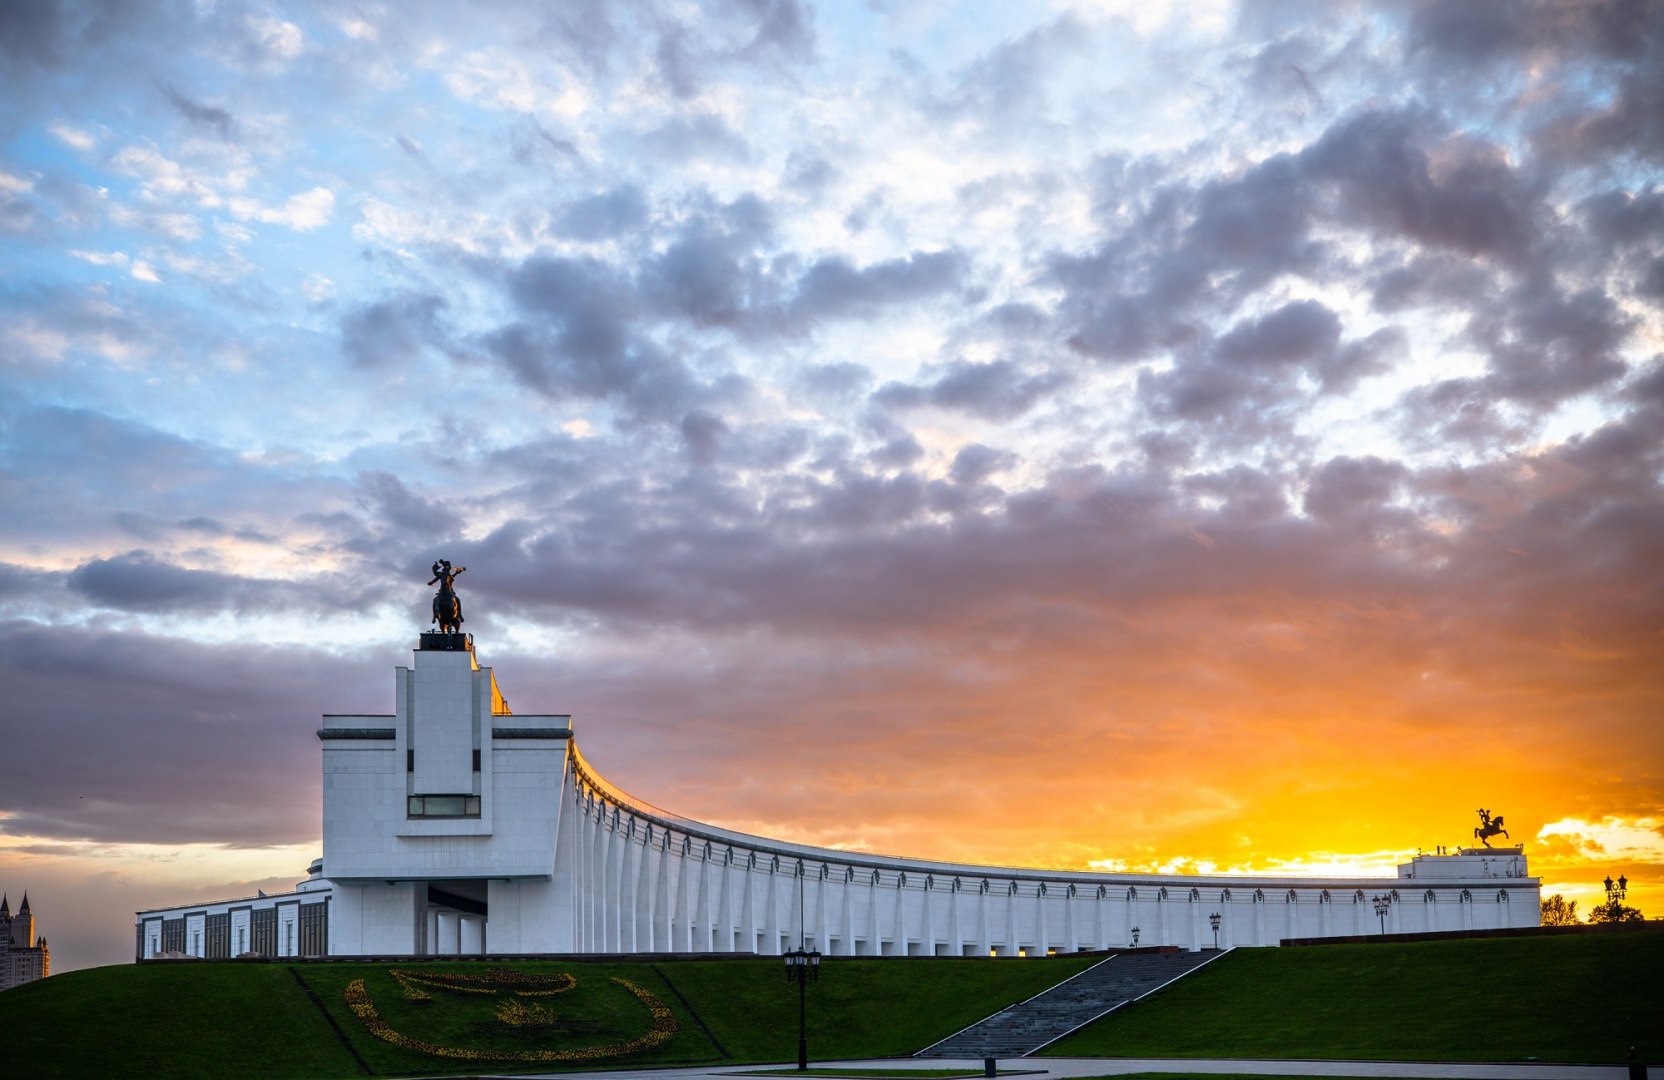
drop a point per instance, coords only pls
(447, 606)
(1489, 827)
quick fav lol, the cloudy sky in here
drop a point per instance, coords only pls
(1071, 434)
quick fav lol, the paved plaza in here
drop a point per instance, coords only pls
(1076, 1068)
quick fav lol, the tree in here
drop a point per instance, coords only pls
(1615, 911)
(1558, 911)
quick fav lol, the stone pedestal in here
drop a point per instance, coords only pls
(1468, 864)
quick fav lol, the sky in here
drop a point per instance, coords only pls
(1207, 437)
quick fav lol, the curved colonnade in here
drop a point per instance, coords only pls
(650, 881)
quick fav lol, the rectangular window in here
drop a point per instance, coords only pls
(410, 760)
(476, 761)
(441, 806)
(314, 929)
(263, 923)
(219, 936)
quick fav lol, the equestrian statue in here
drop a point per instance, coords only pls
(447, 606)
(1489, 826)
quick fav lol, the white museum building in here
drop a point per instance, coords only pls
(455, 827)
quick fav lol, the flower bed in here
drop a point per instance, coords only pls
(664, 1025)
(491, 982)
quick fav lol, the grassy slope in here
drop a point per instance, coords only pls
(1505, 999)
(872, 1008)
(254, 1020)
(161, 1021)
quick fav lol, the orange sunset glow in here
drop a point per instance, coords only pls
(1214, 438)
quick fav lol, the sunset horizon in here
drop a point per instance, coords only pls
(1219, 438)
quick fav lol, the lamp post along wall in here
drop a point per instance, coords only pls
(802, 966)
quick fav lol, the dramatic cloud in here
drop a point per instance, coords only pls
(1132, 440)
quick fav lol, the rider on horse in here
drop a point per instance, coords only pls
(447, 606)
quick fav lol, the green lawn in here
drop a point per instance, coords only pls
(1585, 998)
(256, 1020)
(860, 1008)
(157, 1021)
(1565, 999)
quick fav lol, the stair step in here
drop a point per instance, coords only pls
(1029, 1025)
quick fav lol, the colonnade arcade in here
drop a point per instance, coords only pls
(647, 881)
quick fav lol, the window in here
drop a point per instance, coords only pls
(218, 932)
(314, 929)
(476, 761)
(263, 924)
(444, 806)
(410, 761)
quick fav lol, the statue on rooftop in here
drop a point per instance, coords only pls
(1489, 827)
(447, 606)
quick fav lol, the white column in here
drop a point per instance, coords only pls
(846, 924)
(771, 915)
(470, 935)
(681, 912)
(706, 941)
(642, 893)
(663, 901)
(926, 917)
(628, 861)
(983, 892)
(606, 920)
(956, 942)
(647, 892)
(433, 932)
(1011, 918)
(875, 933)
(724, 927)
(586, 876)
(898, 933)
(823, 925)
(597, 886)
(748, 904)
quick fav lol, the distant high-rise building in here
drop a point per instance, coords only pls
(22, 958)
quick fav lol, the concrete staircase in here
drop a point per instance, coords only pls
(1048, 1016)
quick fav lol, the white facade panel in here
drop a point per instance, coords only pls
(443, 721)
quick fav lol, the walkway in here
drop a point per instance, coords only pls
(1073, 1003)
(1079, 1068)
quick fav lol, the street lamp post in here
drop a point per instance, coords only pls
(802, 966)
(1383, 904)
(1214, 921)
(1615, 893)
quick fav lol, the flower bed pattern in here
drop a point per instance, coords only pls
(664, 1026)
(497, 979)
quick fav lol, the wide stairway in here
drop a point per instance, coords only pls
(1048, 1016)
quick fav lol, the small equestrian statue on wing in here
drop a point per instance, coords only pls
(1489, 826)
(447, 607)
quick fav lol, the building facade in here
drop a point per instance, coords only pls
(453, 826)
(23, 957)
(294, 923)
